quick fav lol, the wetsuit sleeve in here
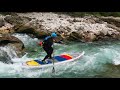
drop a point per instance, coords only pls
(61, 42)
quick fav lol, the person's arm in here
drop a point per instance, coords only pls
(61, 42)
(63, 37)
(40, 43)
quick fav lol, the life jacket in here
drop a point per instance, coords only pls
(47, 38)
(48, 41)
(42, 42)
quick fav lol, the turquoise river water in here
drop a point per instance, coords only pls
(101, 60)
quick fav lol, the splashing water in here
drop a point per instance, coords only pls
(101, 59)
(11, 51)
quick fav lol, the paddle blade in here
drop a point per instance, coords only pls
(53, 70)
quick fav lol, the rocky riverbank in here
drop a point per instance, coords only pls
(88, 28)
(37, 24)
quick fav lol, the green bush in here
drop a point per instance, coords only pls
(81, 14)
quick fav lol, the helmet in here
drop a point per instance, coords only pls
(54, 35)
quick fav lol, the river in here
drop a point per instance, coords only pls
(101, 60)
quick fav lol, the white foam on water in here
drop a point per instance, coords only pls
(26, 39)
(11, 51)
(112, 55)
(116, 60)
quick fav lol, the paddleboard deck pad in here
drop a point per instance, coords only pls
(57, 60)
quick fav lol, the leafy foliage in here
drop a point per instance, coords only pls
(81, 14)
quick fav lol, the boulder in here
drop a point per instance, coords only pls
(14, 20)
(74, 36)
(2, 22)
(8, 40)
(89, 36)
(6, 30)
(111, 20)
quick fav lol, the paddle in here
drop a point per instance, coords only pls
(53, 69)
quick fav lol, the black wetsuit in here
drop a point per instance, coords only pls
(47, 46)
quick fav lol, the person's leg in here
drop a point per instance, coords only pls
(46, 50)
(45, 58)
(50, 53)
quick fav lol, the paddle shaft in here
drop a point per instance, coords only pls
(53, 70)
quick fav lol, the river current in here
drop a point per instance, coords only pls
(101, 60)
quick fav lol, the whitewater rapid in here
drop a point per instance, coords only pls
(100, 60)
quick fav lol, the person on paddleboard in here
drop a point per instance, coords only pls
(47, 44)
